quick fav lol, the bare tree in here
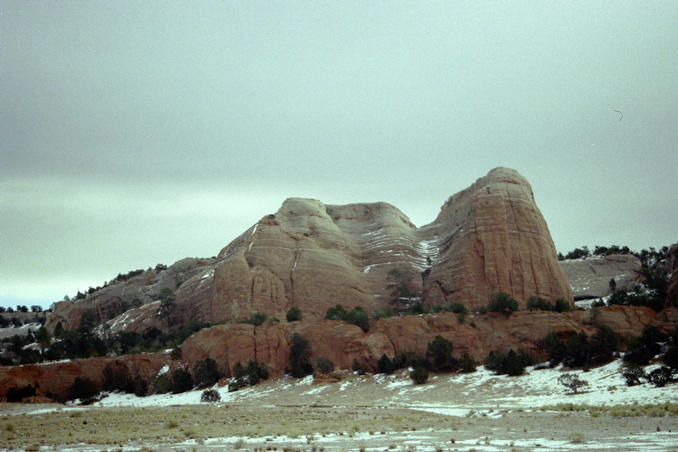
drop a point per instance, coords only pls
(572, 382)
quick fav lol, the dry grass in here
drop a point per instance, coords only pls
(115, 426)
(634, 410)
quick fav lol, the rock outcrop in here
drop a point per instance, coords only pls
(344, 343)
(590, 277)
(488, 238)
(53, 380)
(115, 299)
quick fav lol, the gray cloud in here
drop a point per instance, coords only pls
(137, 133)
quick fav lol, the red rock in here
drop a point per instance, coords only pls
(488, 238)
(54, 379)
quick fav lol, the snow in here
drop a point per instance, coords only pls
(481, 394)
(21, 331)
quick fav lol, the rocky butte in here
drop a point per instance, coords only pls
(488, 238)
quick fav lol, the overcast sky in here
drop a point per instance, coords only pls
(135, 133)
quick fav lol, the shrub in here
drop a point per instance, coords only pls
(660, 377)
(294, 314)
(300, 363)
(236, 384)
(671, 357)
(256, 372)
(250, 375)
(256, 319)
(336, 313)
(139, 386)
(358, 317)
(83, 389)
(458, 308)
(162, 384)
(407, 359)
(603, 344)
(577, 350)
(15, 394)
(210, 396)
(466, 364)
(385, 365)
(642, 349)
(562, 305)
(513, 364)
(440, 351)
(632, 374)
(117, 379)
(205, 372)
(360, 368)
(502, 302)
(181, 381)
(572, 382)
(324, 365)
(419, 375)
(383, 313)
(239, 371)
(554, 348)
(535, 303)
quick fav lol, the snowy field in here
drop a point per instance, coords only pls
(476, 411)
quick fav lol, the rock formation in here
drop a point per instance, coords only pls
(53, 380)
(343, 343)
(488, 238)
(590, 277)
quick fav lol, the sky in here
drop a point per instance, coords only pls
(136, 133)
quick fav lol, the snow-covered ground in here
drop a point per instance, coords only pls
(454, 394)
(487, 412)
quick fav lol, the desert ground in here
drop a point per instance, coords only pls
(477, 411)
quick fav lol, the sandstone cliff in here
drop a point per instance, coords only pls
(478, 335)
(488, 238)
(343, 343)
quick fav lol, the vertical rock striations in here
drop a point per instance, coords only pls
(491, 238)
(488, 238)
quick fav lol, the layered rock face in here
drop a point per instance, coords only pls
(53, 380)
(344, 343)
(488, 238)
(118, 296)
(590, 277)
(491, 238)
